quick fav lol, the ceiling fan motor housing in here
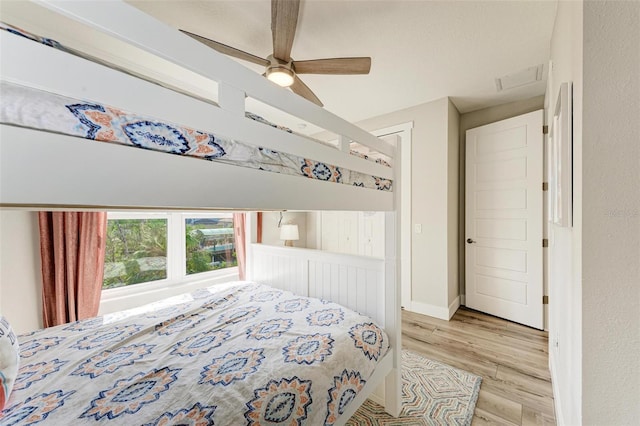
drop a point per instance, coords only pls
(279, 71)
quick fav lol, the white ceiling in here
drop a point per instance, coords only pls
(420, 50)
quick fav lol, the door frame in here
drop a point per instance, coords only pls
(404, 132)
(466, 211)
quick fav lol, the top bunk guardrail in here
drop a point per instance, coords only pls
(129, 24)
(24, 64)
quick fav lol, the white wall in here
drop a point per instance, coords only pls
(20, 273)
(357, 233)
(594, 276)
(313, 224)
(434, 201)
(271, 232)
(564, 259)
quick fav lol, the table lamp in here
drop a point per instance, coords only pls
(289, 233)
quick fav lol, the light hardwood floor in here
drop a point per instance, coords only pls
(512, 360)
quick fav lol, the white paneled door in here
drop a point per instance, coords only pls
(503, 219)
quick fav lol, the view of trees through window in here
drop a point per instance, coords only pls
(136, 252)
(209, 243)
(138, 248)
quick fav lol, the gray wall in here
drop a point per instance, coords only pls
(434, 202)
(20, 273)
(271, 232)
(611, 213)
(595, 265)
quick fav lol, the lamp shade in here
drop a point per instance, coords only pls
(289, 232)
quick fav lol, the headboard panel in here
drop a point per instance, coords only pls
(356, 282)
(286, 270)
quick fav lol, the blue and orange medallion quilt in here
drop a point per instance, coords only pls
(232, 354)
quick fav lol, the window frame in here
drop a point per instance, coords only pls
(176, 256)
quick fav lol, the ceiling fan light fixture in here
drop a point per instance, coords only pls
(280, 75)
(280, 68)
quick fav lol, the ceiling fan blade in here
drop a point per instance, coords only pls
(228, 50)
(284, 18)
(333, 66)
(301, 89)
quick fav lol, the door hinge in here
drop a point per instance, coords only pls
(545, 130)
(545, 242)
(545, 300)
(545, 186)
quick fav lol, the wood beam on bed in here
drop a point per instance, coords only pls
(49, 169)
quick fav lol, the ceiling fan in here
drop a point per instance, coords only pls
(280, 67)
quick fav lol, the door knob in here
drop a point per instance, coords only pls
(470, 241)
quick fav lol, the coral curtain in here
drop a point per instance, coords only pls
(259, 227)
(239, 234)
(72, 247)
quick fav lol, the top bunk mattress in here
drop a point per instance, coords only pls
(238, 353)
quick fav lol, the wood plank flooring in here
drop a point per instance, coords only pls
(512, 360)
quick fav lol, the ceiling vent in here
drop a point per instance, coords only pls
(520, 78)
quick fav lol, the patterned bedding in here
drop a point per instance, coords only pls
(233, 354)
(33, 108)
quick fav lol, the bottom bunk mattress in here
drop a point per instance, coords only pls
(232, 354)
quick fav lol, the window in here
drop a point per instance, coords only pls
(136, 251)
(209, 244)
(167, 247)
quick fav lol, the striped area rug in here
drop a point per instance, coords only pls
(432, 394)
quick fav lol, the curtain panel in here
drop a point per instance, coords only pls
(239, 235)
(72, 247)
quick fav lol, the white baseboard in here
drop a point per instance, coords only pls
(556, 391)
(433, 310)
(453, 307)
(430, 310)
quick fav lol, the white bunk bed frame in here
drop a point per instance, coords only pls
(42, 170)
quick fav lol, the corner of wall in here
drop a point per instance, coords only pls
(563, 255)
(453, 203)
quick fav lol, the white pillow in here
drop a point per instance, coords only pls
(9, 360)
